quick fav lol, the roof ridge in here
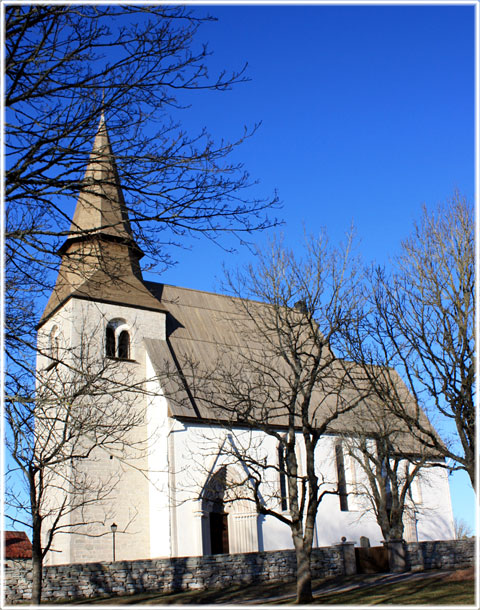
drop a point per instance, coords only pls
(216, 294)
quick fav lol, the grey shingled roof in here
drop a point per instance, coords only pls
(210, 330)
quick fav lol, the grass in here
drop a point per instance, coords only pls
(433, 589)
(425, 592)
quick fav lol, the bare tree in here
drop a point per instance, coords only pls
(140, 66)
(390, 459)
(420, 320)
(72, 416)
(66, 66)
(285, 380)
(386, 480)
(462, 530)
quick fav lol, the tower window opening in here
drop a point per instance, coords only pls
(110, 342)
(54, 344)
(124, 345)
(117, 341)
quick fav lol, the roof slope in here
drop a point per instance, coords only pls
(17, 546)
(213, 344)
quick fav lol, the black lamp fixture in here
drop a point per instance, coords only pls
(113, 527)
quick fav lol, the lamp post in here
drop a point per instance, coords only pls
(113, 527)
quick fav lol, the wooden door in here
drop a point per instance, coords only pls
(219, 533)
(371, 560)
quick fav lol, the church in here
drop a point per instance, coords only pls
(166, 483)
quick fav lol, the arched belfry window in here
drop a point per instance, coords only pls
(110, 342)
(117, 340)
(123, 345)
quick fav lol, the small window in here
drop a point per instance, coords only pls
(342, 482)
(384, 472)
(110, 342)
(117, 340)
(388, 505)
(282, 477)
(124, 345)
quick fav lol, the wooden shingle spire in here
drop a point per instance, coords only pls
(100, 258)
(101, 207)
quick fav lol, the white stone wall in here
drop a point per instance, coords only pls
(155, 502)
(61, 325)
(200, 449)
(125, 464)
(159, 429)
(434, 506)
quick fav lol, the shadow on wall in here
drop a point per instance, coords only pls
(440, 529)
(179, 573)
(101, 584)
(260, 522)
(434, 554)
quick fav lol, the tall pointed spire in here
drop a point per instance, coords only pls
(101, 207)
(100, 259)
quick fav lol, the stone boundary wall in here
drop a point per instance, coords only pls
(213, 571)
(123, 577)
(447, 554)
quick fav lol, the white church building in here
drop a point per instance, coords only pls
(162, 479)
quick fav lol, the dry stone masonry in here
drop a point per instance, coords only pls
(436, 554)
(215, 571)
(176, 574)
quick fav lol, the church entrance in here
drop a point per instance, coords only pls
(214, 503)
(228, 524)
(219, 533)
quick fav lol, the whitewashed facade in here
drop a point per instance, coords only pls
(157, 500)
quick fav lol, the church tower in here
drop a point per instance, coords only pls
(100, 258)
(93, 327)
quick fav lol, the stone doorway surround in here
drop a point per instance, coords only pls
(235, 531)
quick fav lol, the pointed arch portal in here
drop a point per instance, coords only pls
(228, 525)
(214, 505)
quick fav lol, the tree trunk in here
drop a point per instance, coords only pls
(391, 525)
(304, 573)
(471, 471)
(37, 564)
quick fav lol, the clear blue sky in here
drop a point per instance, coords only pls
(367, 112)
